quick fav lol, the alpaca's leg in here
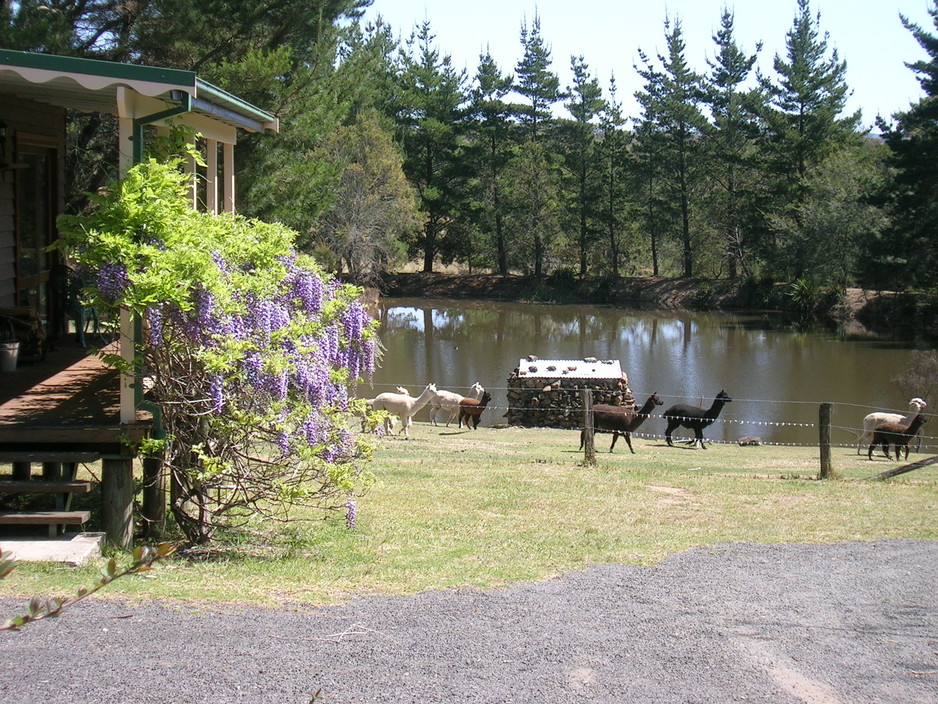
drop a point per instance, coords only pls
(672, 424)
(865, 437)
(699, 438)
(628, 440)
(615, 436)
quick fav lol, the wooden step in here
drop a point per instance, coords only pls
(55, 520)
(11, 456)
(38, 486)
(35, 518)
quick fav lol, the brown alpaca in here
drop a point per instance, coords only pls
(896, 435)
(471, 409)
(621, 420)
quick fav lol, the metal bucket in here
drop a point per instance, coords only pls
(9, 351)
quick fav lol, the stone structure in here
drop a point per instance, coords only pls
(548, 392)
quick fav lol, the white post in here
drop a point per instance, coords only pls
(229, 177)
(125, 131)
(125, 150)
(211, 179)
(128, 412)
(193, 190)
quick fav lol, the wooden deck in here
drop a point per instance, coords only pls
(69, 400)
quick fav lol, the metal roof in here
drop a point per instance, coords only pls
(589, 368)
(90, 85)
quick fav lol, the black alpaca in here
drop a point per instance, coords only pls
(621, 420)
(694, 417)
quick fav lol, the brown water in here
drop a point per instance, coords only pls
(777, 378)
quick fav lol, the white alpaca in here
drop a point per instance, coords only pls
(449, 401)
(403, 406)
(878, 418)
(389, 421)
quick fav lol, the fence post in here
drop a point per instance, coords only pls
(589, 446)
(824, 430)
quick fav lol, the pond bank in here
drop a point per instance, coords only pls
(857, 312)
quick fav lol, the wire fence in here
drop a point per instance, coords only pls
(774, 422)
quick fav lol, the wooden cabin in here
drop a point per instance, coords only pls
(59, 407)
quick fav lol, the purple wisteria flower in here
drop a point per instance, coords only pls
(283, 442)
(308, 287)
(369, 352)
(112, 281)
(154, 317)
(216, 388)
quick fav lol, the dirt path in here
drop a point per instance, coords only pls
(853, 623)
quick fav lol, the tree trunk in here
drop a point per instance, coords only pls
(153, 510)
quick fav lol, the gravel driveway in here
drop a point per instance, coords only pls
(825, 624)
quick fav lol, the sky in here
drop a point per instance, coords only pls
(867, 34)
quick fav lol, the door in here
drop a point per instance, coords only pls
(36, 190)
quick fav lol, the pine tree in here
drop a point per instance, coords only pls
(804, 121)
(491, 115)
(585, 102)
(540, 187)
(613, 160)
(732, 144)
(804, 116)
(535, 81)
(906, 255)
(433, 127)
(672, 117)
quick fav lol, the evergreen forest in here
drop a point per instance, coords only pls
(388, 153)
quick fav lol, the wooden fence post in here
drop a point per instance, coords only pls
(589, 446)
(117, 501)
(824, 430)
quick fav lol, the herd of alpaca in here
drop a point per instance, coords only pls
(405, 406)
(879, 428)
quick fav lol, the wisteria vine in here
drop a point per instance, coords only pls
(251, 349)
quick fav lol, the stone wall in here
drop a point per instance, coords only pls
(545, 402)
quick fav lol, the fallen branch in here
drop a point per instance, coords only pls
(906, 468)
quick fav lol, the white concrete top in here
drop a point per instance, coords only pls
(589, 368)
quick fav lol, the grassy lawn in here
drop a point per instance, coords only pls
(493, 506)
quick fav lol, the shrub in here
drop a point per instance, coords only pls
(252, 350)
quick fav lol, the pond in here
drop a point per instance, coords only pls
(777, 378)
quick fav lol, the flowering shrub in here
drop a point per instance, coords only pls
(251, 349)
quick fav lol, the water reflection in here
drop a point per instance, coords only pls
(777, 378)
